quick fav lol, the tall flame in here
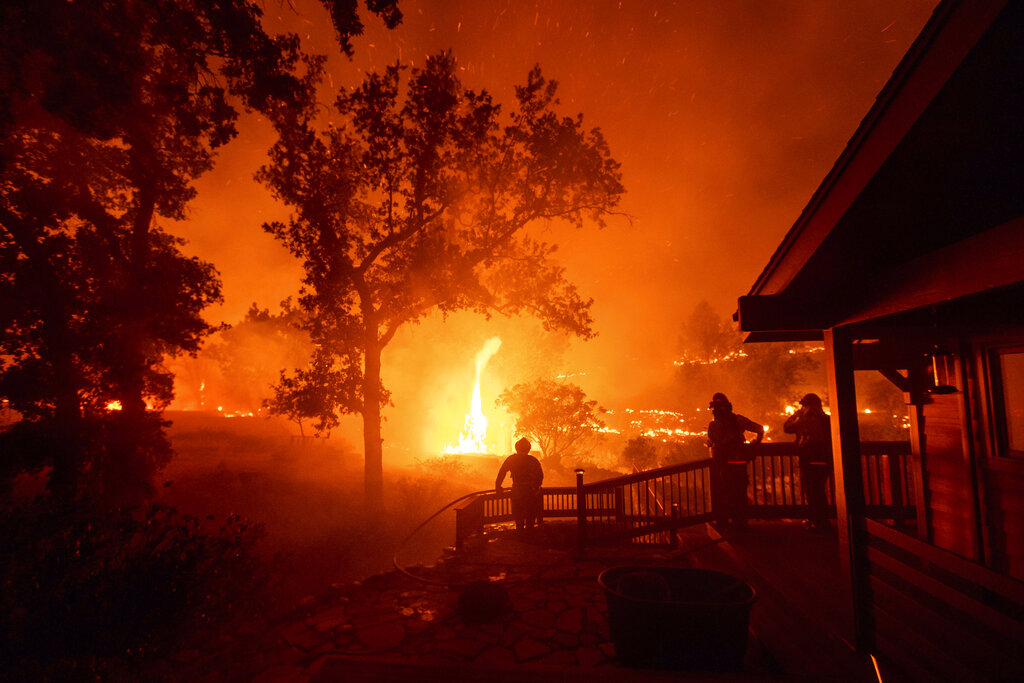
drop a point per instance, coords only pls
(473, 438)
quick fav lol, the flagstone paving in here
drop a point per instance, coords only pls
(557, 617)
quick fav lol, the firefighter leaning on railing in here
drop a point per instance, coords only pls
(527, 479)
(726, 438)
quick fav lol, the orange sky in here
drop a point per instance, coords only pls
(725, 115)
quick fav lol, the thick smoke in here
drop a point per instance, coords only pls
(725, 117)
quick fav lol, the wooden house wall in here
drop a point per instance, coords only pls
(938, 617)
(946, 477)
(939, 610)
(1001, 478)
(1004, 520)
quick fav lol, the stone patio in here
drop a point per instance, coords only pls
(410, 619)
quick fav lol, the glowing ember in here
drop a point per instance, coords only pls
(113, 405)
(473, 438)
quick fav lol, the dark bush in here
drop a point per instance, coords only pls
(107, 595)
(688, 450)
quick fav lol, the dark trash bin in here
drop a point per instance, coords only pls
(677, 618)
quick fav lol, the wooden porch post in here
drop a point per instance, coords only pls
(915, 409)
(969, 451)
(848, 481)
(581, 514)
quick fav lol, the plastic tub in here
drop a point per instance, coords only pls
(677, 618)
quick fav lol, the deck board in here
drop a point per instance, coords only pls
(802, 611)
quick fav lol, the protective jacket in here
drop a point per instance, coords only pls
(813, 435)
(526, 470)
(725, 436)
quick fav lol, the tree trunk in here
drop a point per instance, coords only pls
(373, 462)
(68, 449)
(128, 472)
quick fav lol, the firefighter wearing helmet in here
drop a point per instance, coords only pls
(729, 458)
(813, 433)
(527, 478)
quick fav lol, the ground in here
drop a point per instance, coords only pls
(325, 613)
(307, 497)
(413, 617)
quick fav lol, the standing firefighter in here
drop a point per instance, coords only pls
(729, 461)
(527, 477)
(814, 448)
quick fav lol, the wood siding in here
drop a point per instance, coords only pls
(1004, 518)
(947, 478)
(938, 617)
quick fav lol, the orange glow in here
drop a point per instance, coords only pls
(725, 120)
(113, 405)
(473, 438)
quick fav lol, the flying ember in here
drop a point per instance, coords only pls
(473, 438)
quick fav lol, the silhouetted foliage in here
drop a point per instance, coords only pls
(250, 354)
(106, 597)
(312, 394)
(774, 374)
(640, 452)
(108, 112)
(761, 377)
(689, 449)
(556, 416)
(889, 419)
(706, 335)
(417, 201)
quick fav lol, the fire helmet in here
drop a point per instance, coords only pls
(719, 400)
(811, 400)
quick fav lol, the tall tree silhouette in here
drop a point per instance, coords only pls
(706, 335)
(420, 200)
(108, 112)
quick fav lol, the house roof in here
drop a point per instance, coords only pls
(928, 187)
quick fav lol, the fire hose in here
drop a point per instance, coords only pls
(447, 584)
(452, 585)
(415, 531)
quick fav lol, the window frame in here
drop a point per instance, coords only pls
(993, 357)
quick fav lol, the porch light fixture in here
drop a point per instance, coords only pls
(943, 372)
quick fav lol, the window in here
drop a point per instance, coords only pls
(1008, 373)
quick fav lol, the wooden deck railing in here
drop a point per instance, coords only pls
(649, 506)
(776, 491)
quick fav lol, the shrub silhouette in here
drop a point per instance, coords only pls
(100, 594)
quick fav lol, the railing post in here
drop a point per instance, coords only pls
(896, 489)
(581, 513)
(675, 526)
(459, 530)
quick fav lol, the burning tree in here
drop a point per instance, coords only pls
(556, 416)
(108, 113)
(420, 200)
